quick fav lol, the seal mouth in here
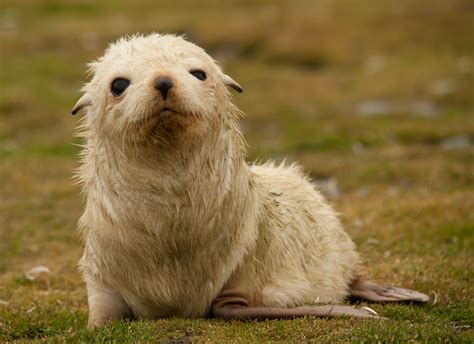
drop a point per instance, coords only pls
(165, 112)
(164, 120)
(164, 116)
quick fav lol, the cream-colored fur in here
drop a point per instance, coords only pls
(173, 213)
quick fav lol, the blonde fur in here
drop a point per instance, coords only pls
(173, 214)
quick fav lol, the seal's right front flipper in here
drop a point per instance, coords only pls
(231, 305)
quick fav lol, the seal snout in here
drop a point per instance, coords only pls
(163, 84)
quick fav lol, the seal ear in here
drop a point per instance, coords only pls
(84, 101)
(228, 81)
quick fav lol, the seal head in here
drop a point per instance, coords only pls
(155, 86)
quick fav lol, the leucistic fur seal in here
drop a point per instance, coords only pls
(176, 223)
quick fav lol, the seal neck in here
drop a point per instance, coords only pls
(186, 186)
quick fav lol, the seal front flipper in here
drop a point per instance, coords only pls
(232, 305)
(365, 290)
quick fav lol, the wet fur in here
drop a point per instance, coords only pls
(173, 214)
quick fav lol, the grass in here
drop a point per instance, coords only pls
(308, 70)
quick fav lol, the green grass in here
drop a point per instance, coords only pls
(307, 69)
(58, 325)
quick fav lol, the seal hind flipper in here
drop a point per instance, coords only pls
(365, 290)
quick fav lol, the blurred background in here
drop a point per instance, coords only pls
(373, 98)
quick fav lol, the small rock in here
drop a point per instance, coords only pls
(362, 192)
(37, 272)
(357, 223)
(9, 21)
(443, 87)
(9, 146)
(423, 108)
(372, 241)
(405, 183)
(4, 303)
(226, 51)
(358, 148)
(456, 142)
(464, 64)
(374, 64)
(393, 191)
(373, 108)
(329, 186)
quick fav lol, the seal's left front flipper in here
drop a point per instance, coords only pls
(362, 289)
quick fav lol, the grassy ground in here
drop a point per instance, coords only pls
(376, 95)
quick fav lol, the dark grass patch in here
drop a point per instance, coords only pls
(306, 62)
(77, 8)
(305, 135)
(237, 50)
(39, 322)
(60, 151)
(47, 79)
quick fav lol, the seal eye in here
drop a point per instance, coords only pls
(118, 86)
(201, 75)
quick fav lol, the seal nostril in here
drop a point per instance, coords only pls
(163, 85)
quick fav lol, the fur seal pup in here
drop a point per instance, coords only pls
(177, 224)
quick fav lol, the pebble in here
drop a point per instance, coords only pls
(37, 272)
(371, 108)
(329, 186)
(443, 87)
(456, 142)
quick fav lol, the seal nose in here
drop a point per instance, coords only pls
(163, 84)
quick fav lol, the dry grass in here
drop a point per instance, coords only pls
(366, 92)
